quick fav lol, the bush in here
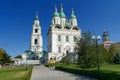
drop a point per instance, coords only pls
(117, 58)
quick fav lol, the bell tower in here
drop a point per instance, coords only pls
(36, 37)
(105, 36)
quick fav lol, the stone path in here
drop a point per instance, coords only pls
(44, 73)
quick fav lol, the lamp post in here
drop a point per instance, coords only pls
(96, 39)
(26, 61)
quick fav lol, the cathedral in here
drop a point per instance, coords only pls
(62, 34)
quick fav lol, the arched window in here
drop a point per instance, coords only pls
(59, 38)
(67, 38)
(36, 30)
(59, 49)
(74, 38)
(36, 41)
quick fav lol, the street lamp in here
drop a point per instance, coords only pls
(96, 39)
(26, 59)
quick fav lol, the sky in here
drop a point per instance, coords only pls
(17, 18)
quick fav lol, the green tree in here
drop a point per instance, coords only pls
(117, 58)
(111, 52)
(4, 57)
(102, 54)
(66, 59)
(86, 50)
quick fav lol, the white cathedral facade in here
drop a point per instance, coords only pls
(62, 35)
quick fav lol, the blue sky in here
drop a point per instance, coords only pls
(17, 16)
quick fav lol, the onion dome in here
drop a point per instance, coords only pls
(56, 14)
(27, 52)
(62, 15)
(72, 15)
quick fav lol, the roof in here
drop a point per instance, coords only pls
(72, 15)
(56, 14)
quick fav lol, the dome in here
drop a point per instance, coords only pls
(56, 14)
(72, 15)
(27, 52)
(62, 15)
(36, 18)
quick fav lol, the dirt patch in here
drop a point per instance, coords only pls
(20, 74)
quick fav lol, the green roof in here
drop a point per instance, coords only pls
(72, 15)
(27, 51)
(36, 18)
(56, 14)
(62, 15)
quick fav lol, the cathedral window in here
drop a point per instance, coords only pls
(36, 30)
(74, 38)
(59, 49)
(59, 38)
(36, 41)
(67, 38)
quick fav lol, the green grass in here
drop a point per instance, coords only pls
(107, 71)
(110, 67)
(15, 73)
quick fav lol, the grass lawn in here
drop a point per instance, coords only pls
(110, 67)
(107, 71)
(15, 73)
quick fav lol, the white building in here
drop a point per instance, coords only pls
(62, 34)
(35, 53)
(36, 37)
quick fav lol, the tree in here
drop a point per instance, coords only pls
(102, 53)
(66, 59)
(86, 50)
(4, 57)
(111, 52)
(117, 58)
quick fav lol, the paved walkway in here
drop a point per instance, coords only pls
(44, 73)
